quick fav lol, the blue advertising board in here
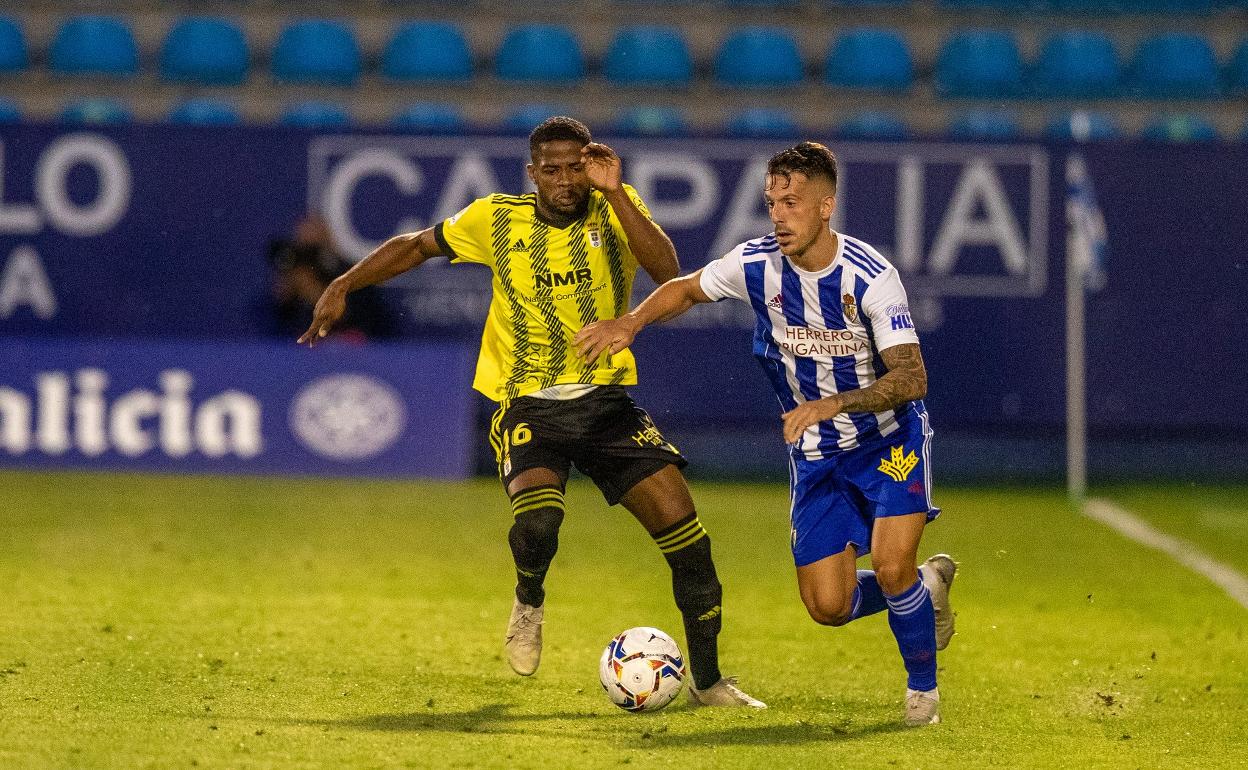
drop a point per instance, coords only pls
(162, 232)
(237, 407)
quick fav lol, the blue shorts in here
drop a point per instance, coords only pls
(837, 500)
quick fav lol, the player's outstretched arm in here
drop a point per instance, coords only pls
(905, 380)
(664, 303)
(650, 245)
(397, 255)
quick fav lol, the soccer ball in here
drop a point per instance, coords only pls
(642, 669)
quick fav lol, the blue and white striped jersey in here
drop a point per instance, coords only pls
(821, 333)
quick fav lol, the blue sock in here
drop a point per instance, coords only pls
(913, 621)
(868, 596)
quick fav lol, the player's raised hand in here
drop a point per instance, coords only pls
(602, 166)
(805, 415)
(600, 337)
(329, 308)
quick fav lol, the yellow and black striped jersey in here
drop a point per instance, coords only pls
(549, 282)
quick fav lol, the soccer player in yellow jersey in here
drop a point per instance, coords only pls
(564, 257)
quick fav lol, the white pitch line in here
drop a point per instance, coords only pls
(1224, 576)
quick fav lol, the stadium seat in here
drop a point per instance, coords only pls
(1180, 129)
(525, 118)
(317, 51)
(997, 5)
(1237, 70)
(427, 51)
(1081, 126)
(1175, 65)
(205, 51)
(652, 121)
(316, 114)
(540, 53)
(647, 55)
(873, 124)
(98, 111)
(13, 54)
(869, 58)
(204, 112)
(868, 3)
(984, 125)
(9, 111)
(430, 118)
(1077, 64)
(763, 122)
(980, 63)
(94, 45)
(759, 57)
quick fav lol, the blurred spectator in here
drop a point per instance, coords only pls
(301, 267)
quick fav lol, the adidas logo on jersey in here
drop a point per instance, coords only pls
(776, 302)
(519, 245)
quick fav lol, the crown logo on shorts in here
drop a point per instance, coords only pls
(898, 466)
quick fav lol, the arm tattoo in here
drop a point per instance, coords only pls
(905, 380)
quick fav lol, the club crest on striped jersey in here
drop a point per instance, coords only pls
(850, 306)
(594, 236)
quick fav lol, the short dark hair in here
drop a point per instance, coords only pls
(809, 158)
(559, 128)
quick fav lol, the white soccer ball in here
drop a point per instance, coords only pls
(642, 669)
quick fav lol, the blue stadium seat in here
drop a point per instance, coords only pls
(980, 63)
(427, 51)
(874, 124)
(868, 3)
(540, 53)
(759, 57)
(647, 55)
(9, 111)
(13, 54)
(870, 58)
(763, 123)
(204, 112)
(997, 5)
(1081, 126)
(1180, 129)
(316, 114)
(205, 51)
(1077, 64)
(430, 118)
(317, 51)
(652, 121)
(97, 111)
(525, 118)
(94, 45)
(1237, 70)
(984, 125)
(1175, 65)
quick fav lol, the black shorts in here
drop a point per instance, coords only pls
(603, 433)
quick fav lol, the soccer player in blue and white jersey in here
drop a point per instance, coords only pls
(835, 338)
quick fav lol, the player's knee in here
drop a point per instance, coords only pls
(828, 610)
(536, 533)
(894, 576)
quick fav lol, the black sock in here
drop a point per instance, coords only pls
(687, 548)
(534, 538)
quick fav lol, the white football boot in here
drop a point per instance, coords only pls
(938, 573)
(723, 693)
(922, 708)
(524, 638)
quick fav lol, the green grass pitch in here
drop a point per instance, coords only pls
(215, 622)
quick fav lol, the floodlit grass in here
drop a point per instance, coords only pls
(211, 622)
